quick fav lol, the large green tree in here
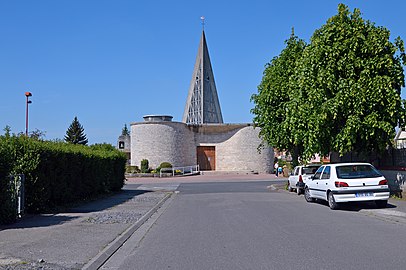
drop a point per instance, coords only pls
(351, 74)
(76, 133)
(343, 94)
(275, 104)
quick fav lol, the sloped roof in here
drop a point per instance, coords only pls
(401, 135)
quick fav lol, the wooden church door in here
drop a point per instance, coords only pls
(206, 158)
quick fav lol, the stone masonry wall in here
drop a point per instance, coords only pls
(162, 142)
(126, 139)
(236, 145)
(237, 150)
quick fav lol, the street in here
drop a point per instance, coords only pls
(247, 225)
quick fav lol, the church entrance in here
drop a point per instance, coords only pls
(206, 158)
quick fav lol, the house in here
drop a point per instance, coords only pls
(400, 139)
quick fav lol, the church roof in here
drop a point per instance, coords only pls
(202, 104)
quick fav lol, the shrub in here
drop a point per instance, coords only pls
(15, 158)
(145, 166)
(132, 169)
(165, 165)
(8, 202)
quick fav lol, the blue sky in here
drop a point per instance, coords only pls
(111, 62)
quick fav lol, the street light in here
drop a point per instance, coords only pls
(27, 94)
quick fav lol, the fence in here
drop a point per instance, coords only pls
(17, 183)
(391, 158)
(394, 158)
(179, 171)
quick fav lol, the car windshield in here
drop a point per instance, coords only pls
(310, 170)
(357, 171)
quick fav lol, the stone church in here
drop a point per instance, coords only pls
(202, 138)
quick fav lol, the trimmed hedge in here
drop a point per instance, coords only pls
(8, 204)
(56, 173)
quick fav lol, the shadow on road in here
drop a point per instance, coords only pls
(44, 220)
(357, 206)
(99, 205)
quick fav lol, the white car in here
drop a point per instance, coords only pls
(347, 182)
(299, 177)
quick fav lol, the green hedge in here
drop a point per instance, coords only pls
(56, 173)
(8, 205)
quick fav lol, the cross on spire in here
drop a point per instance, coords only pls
(202, 19)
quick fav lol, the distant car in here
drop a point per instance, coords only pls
(299, 177)
(347, 182)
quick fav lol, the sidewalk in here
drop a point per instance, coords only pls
(70, 240)
(206, 177)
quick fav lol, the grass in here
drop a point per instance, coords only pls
(398, 196)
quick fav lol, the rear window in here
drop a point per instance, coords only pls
(357, 171)
(310, 170)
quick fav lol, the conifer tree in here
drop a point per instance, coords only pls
(125, 131)
(75, 133)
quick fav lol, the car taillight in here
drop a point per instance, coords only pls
(383, 182)
(341, 184)
(300, 178)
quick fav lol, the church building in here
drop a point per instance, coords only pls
(202, 138)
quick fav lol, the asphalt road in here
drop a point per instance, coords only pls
(246, 225)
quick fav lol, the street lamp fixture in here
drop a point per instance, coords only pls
(27, 94)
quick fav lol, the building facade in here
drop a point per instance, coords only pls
(217, 147)
(400, 139)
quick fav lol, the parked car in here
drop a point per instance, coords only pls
(299, 177)
(347, 182)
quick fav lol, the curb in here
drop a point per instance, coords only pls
(111, 248)
(277, 187)
(272, 187)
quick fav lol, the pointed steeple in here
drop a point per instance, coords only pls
(202, 104)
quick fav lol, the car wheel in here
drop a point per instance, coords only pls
(307, 196)
(381, 203)
(298, 191)
(331, 202)
(289, 187)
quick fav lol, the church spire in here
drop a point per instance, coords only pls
(202, 104)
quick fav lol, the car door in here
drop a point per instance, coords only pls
(323, 182)
(294, 178)
(313, 183)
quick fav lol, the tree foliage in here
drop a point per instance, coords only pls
(75, 133)
(344, 92)
(273, 104)
(103, 146)
(125, 131)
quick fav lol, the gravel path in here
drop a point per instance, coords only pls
(69, 240)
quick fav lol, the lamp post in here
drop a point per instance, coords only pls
(27, 94)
